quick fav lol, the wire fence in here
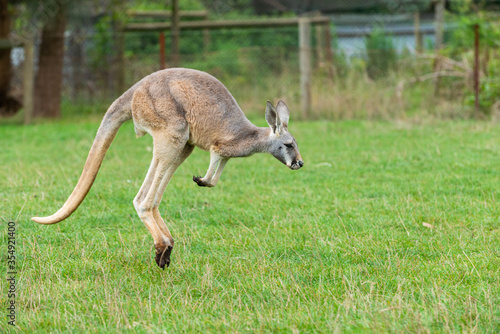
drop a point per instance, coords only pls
(385, 52)
(245, 55)
(92, 68)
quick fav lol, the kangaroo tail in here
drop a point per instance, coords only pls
(116, 115)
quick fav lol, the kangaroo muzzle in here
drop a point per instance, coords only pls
(297, 164)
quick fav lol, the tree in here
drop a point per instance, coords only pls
(48, 82)
(8, 104)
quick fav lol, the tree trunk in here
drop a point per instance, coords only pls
(5, 67)
(48, 82)
(8, 105)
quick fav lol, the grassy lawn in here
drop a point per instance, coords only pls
(342, 245)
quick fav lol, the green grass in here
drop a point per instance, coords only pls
(338, 246)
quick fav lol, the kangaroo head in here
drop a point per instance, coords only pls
(282, 145)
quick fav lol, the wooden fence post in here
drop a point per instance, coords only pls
(305, 64)
(439, 17)
(175, 33)
(206, 42)
(476, 69)
(28, 81)
(320, 50)
(206, 39)
(416, 33)
(439, 23)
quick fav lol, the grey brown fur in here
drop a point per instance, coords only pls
(181, 108)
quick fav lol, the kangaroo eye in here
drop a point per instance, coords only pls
(289, 145)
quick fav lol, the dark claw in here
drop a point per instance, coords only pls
(199, 182)
(163, 257)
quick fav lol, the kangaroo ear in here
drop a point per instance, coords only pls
(271, 116)
(283, 114)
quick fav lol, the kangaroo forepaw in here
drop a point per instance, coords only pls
(199, 181)
(163, 257)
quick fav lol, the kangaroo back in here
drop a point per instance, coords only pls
(118, 113)
(213, 114)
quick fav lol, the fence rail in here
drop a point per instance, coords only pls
(162, 26)
(167, 14)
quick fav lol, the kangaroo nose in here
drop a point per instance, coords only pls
(301, 163)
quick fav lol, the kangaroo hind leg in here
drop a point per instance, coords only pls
(168, 154)
(159, 117)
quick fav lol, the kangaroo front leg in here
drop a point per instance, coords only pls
(215, 169)
(220, 168)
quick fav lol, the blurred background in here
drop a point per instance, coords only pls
(329, 59)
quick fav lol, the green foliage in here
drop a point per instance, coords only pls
(489, 89)
(138, 45)
(380, 53)
(230, 52)
(222, 63)
(338, 246)
(229, 7)
(262, 50)
(164, 5)
(341, 61)
(460, 45)
(461, 37)
(102, 43)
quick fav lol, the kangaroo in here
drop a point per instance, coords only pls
(181, 108)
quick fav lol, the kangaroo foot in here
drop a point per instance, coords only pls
(199, 181)
(163, 256)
